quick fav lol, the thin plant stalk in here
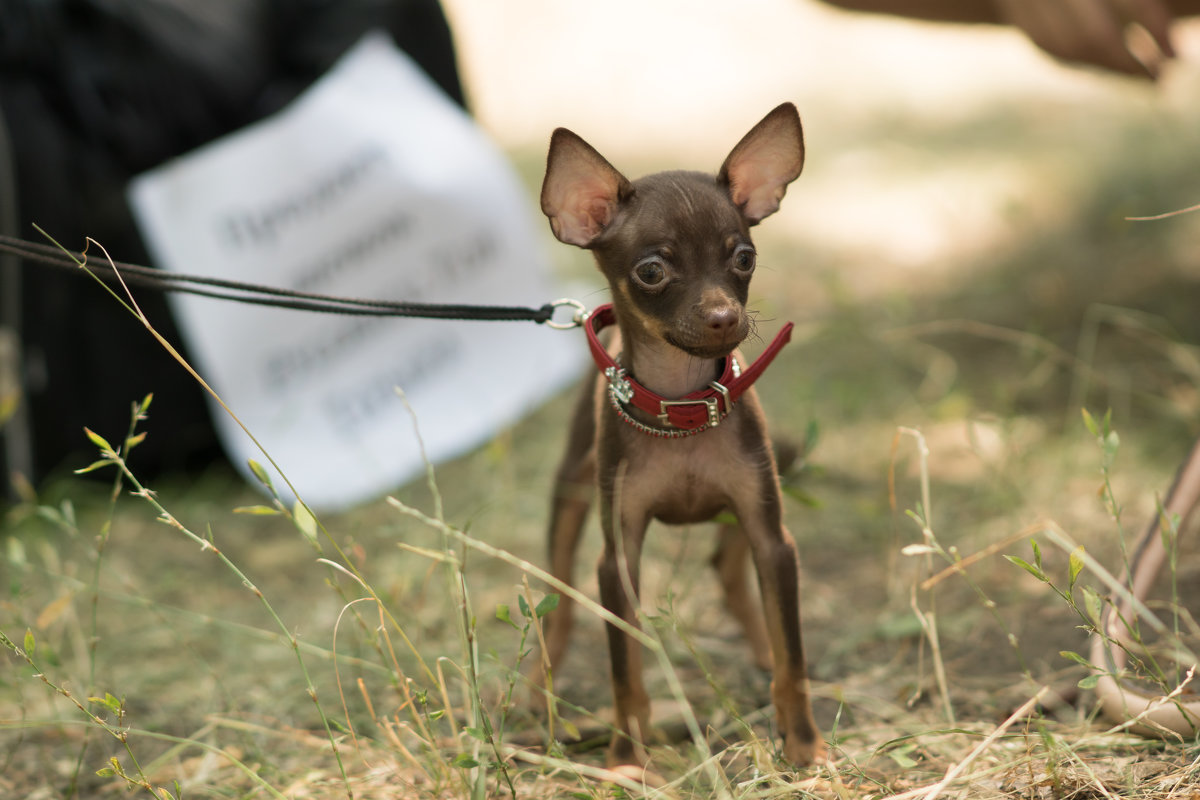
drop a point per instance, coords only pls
(111, 456)
(928, 619)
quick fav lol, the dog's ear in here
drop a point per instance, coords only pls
(764, 162)
(581, 191)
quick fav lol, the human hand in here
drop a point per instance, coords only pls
(1094, 31)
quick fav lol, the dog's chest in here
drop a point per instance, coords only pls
(685, 480)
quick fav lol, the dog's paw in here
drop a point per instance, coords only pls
(805, 753)
(623, 751)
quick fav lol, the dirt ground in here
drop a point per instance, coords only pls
(958, 261)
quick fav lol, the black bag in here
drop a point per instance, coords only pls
(93, 92)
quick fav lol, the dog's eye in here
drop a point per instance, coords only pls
(744, 258)
(650, 273)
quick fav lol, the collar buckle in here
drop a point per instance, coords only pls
(715, 414)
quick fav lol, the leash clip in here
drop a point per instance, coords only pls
(576, 319)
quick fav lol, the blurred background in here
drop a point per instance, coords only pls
(932, 148)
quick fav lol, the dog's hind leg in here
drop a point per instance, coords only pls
(731, 563)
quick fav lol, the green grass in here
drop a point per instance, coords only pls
(263, 653)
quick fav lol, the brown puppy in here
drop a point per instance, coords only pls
(673, 430)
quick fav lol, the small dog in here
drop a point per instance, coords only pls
(673, 430)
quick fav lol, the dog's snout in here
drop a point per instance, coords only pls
(723, 319)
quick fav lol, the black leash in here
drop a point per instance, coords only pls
(240, 292)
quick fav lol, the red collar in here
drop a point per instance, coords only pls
(693, 413)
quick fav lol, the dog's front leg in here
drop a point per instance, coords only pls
(778, 575)
(618, 574)
(778, 566)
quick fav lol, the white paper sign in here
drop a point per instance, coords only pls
(371, 184)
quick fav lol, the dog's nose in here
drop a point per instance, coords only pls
(722, 320)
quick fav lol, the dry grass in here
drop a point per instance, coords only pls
(931, 681)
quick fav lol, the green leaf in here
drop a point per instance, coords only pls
(259, 510)
(546, 605)
(92, 467)
(812, 435)
(504, 615)
(901, 756)
(524, 606)
(1111, 442)
(30, 643)
(1037, 553)
(465, 761)
(14, 551)
(259, 473)
(305, 520)
(1076, 564)
(98, 440)
(145, 406)
(1030, 568)
(477, 734)
(106, 772)
(1070, 655)
(1089, 682)
(802, 497)
(569, 728)
(108, 701)
(1090, 423)
(1094, 604)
